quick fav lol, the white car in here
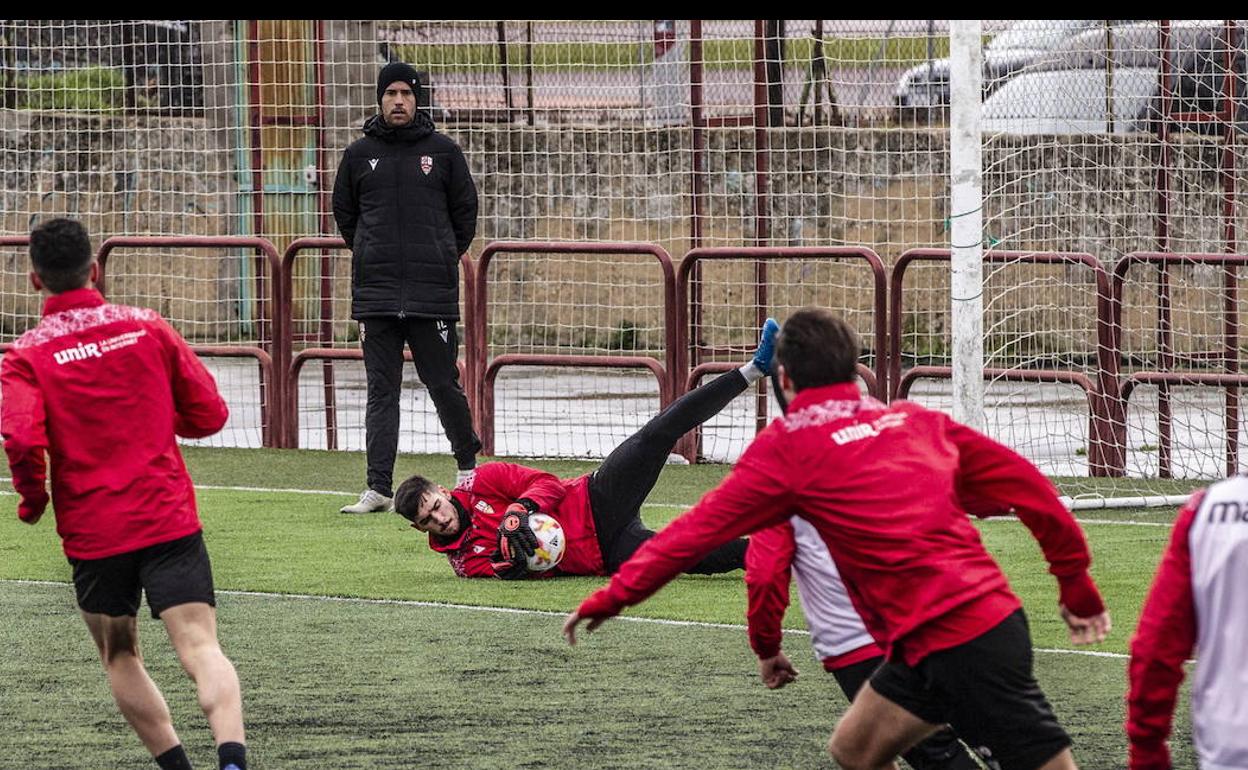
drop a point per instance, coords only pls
(924, 89)
(1137, 45)
(1067, 94)
(1073, 101)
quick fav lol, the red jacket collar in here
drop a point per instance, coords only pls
(74, 298)
(840, 391)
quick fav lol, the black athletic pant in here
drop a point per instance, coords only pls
(435, 348)
(619, 487)
(939, 751)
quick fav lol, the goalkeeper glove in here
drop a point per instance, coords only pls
(515, 569)
(516, 541)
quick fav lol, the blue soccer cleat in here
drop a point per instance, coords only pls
(766, 346)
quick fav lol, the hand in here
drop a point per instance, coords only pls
(574, 620)
(776, 671)
(513, 567)
(30, 511)
(516, 541)
(1087, 630)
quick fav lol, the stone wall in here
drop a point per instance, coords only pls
(881, 188)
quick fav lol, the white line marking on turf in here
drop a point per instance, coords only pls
(1088, 653)
(1127, 522)
(336, 493)
(217, 488)
(1084, 522)
(522, 611)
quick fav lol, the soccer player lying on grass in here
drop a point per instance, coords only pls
(482, 525)
(882, 485)
(1196, 602)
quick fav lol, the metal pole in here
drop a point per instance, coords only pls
(1231, 297)
(1164, 354)
(763, 112)
(504, 69)
(1109, 78)
(327, 266)
(528, 69)
(931, 55)
(966, 208)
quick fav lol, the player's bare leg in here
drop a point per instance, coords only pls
(136, 695)
(874, 732)
(193, 631)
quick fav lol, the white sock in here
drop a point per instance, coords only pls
(751, 373)
(462, 474)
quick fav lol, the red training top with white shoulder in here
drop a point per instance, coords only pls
(102, 390)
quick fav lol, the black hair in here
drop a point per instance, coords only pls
(60, 254)
(409, 494)
(816, 347)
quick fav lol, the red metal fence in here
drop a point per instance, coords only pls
(686, 358)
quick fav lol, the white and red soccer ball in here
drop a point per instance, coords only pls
(551, 542)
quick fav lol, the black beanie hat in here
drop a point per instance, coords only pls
(397, 70)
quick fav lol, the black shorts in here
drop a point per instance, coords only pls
(986, 691)
(172, 573)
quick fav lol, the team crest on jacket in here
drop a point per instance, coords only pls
(426, 164)
(484, 507)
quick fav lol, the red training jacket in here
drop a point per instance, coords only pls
(486, 495)
(882, 485)
(102, 390)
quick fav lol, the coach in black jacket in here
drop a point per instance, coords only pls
(406, 205)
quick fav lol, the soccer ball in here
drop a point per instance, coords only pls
(550, 542)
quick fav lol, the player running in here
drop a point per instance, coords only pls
(882, 485)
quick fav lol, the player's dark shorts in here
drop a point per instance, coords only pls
(172, 573)
(986, 691)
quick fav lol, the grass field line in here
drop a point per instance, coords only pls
(521, 611)
(995, 518)
(323, 492)
(680, 506)
(1086, 522)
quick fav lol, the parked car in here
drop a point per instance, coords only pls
(1138, 45)
(1198, 79)
(1073, 101)
(924, 89)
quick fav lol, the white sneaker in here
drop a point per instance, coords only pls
(370, 502)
